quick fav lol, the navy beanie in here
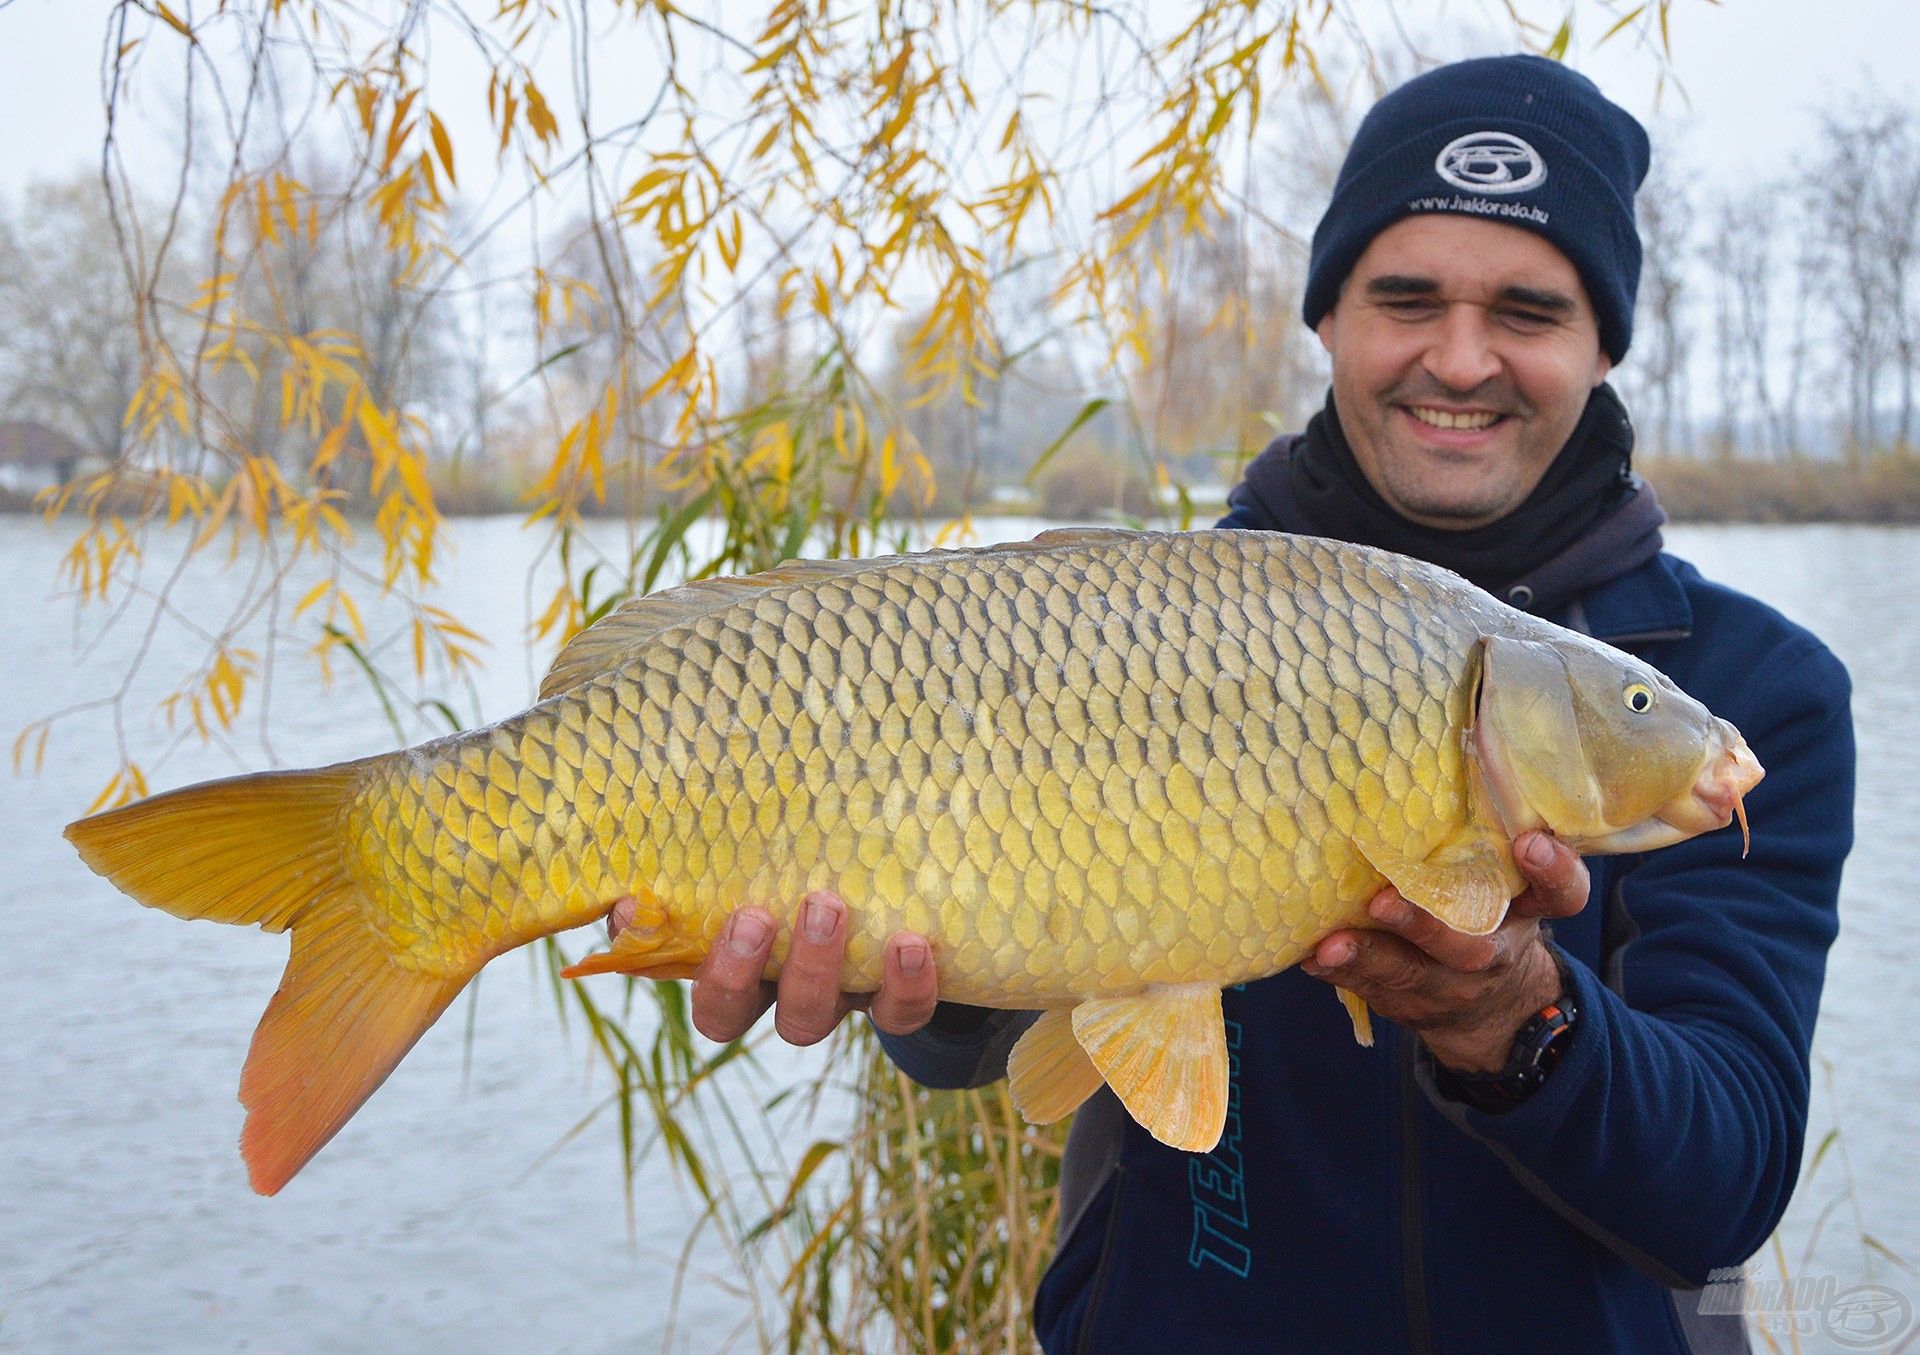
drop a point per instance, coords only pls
(1515, 139)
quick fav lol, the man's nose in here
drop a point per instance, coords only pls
(1462, 355)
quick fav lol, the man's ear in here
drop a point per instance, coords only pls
(1324, 332)
(1602, 365)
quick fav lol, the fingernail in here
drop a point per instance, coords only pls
(1390, 910)
(1338, 953)
(746, 934)
(1540, 851)
(913, 958)
(819, 919)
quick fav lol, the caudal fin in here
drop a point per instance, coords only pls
(268, 850)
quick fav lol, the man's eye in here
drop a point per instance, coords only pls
(1527, 320)
(1411, 309)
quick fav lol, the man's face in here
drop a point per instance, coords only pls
(1464, 352)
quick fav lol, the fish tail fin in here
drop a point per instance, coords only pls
(269, 850)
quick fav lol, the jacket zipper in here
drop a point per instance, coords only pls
(1413, 1271)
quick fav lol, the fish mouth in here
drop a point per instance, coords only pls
(1714, 800)
(1717, 796)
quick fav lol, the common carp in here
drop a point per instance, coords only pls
(1106, 773)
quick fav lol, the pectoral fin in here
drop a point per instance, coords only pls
(1164, 1053)
(1466, 882)
(1048, 1072)
(1357, 1012)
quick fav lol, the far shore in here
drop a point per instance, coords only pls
(1883, 489)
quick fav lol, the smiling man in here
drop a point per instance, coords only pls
(1559, 1138)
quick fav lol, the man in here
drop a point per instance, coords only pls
(1557, 1137)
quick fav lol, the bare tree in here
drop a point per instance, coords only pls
(69, 348)
(1894, 223)
(1860, 301)
(1658, 380)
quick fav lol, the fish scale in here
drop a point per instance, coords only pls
(1078, 771)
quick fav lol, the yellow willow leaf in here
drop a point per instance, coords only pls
(398, 129)
(556, 610)
(183, 493)
(365, 101)
(414, 476)
(352, 610)
(419, 648)
(901, 117)
(289, 209)
(1013, 130)
(313, 595)
(37, 731)
(175, 22)
(509, 104)
(729, 241)
(217, 517)
(448, 624)
(442, 145)
(1222, 111)
(329, 448)
(678, 374)
(211, 292)
(955, 529)
(765, 143)
(539, 116)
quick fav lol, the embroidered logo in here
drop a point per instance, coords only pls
(1491, 162)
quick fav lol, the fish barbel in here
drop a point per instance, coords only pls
(1105, 773)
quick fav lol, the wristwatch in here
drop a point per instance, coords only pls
(1538, 1047)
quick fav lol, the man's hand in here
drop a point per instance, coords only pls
(1466, 996)
(729, 995)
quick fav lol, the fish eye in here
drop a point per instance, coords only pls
(1639, 697)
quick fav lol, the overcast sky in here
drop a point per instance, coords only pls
(1754, 70)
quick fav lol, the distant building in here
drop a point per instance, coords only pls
(34, 456)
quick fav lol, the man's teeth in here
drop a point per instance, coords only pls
(1446, 418)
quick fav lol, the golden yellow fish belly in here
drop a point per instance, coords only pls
(1079, 768)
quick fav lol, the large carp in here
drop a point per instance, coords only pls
(1106, 773)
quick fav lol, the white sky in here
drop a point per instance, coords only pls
(1754, 69)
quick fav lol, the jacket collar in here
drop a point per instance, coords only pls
(1645, 604)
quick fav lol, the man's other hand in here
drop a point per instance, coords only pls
(1466, 996)
(729, 993)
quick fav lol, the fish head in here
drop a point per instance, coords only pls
(1601, 749)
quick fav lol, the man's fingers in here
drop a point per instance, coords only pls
(728, 992)
(908, 990)
(621, 917)
(1456, 950)
(1558, 882)
(810, 1005)
(1391, 974)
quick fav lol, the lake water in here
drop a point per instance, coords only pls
(432, 1221)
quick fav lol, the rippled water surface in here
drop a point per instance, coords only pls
(432, 1222)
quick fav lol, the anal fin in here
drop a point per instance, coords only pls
(1358, 1013)
(650, 947)
(1164, 1053)
(1048, 1072)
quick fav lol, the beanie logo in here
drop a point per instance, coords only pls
(1491, 162)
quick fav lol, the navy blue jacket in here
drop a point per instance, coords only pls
(1351, 1206)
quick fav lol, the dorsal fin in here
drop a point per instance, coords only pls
(1055, 537)
(601, 646)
